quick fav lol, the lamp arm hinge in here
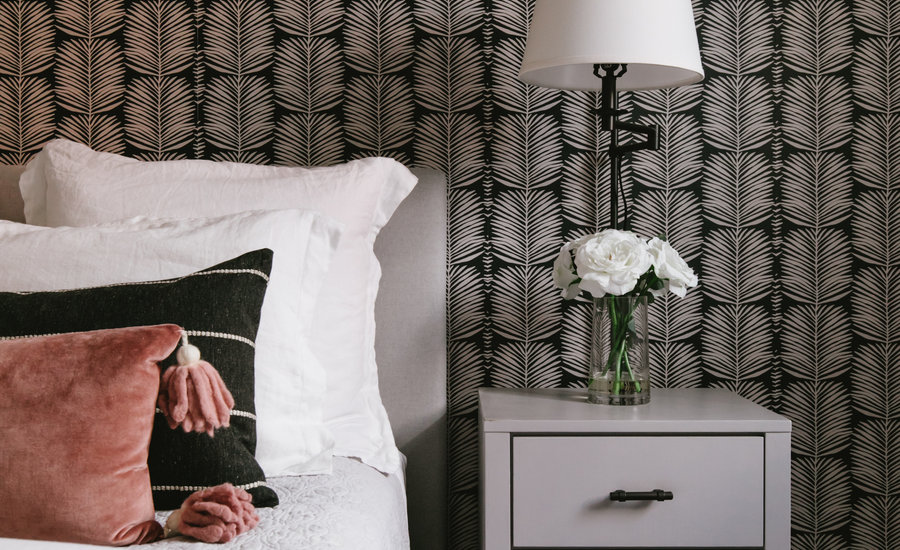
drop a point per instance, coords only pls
(651, 143)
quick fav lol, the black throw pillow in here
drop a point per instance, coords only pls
(219, 308)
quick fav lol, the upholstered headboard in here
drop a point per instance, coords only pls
(410, 345)
(11, 204)
(410, 342)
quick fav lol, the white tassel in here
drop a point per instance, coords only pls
(187, 354)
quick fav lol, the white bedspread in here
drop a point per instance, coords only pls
(354, 508)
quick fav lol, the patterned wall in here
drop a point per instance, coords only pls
(779, 180)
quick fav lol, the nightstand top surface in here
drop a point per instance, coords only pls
(670, 410)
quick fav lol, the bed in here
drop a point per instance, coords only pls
(357, 506)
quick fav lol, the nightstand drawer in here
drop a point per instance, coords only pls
(561, 488)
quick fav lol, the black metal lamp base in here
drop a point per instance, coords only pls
(609, 113)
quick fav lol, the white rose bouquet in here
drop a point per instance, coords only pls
(620, 263)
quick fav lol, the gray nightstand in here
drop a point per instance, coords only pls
(549, 461)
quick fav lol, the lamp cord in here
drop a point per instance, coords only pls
(622, 194)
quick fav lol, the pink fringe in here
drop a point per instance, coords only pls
(195, 397)
(217, 514)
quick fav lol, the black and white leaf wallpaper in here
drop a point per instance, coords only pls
(778, 179)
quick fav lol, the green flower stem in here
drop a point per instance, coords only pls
(637, 384)
(618, 351)
(617, 386)
(613, 349)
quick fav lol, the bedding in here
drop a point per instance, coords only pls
(404, 305)
(219, 307)
(289, 382)
(70, 184)
(354, 508)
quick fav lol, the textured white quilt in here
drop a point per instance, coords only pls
(354, 508)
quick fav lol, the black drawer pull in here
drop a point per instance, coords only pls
(655, 494)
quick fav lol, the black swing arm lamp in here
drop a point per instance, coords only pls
(612, 45)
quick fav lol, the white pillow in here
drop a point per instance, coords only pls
(290, 383)
(69, 184)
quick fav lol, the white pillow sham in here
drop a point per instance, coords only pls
(290, 383)
(70, 184)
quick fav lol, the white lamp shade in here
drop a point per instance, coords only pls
(656, 38)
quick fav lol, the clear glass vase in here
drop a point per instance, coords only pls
(620, 367)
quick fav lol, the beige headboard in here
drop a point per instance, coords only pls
(10, 199)
(411, 349)
(410, 342)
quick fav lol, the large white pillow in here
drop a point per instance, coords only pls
(70, 184)
(290, 383)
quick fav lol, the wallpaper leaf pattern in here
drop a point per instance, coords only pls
(26, 96)
(378, 112)
(875, 453)
(159, 109)
(239, 37)
(776, 178)
(737, 113)
(526, 224)
(665, 205)
(90, 72)
(309, 83)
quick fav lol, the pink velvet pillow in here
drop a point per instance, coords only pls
(76, 413)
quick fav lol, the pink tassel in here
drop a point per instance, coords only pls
(217, 514)
(193, 395)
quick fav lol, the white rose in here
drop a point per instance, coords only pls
(564, 275)
(611, 262)
(669, 266)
